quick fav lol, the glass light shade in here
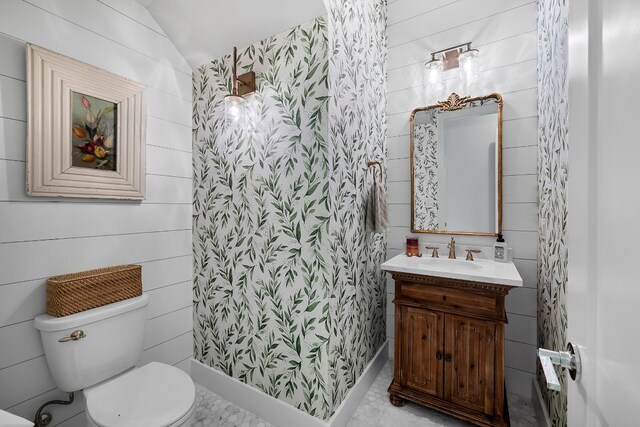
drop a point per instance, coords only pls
(435, 82)
(469, 67)
(434, 72)
(234, 108)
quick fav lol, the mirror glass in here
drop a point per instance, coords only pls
(456, 155)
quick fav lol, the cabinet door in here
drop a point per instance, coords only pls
(422, 350)
(469, 362)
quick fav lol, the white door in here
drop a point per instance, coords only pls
(603, 291)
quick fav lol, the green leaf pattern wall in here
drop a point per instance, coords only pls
(288, 293)
(553, 154)
(425, 177)
(357, 130)
(261, 268)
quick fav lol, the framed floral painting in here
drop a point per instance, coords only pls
(86, 130)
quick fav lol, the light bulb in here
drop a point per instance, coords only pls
(469, 68)
(434, 71)
(435, 85)
(234, 108)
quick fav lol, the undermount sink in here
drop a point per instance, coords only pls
(452, 264)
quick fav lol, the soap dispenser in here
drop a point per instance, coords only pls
(500, 250)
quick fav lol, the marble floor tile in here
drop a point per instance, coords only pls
(213, 411)
(375, 410)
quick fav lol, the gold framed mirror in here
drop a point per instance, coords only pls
(456, 166)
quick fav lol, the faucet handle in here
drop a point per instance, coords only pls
(470, 253)
(434, 254)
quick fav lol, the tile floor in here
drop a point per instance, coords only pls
(374, 411)
(214, 411)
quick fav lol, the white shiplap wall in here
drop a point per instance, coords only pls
(505, 33)
(42, 237)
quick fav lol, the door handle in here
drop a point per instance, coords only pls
(569, 360)
(438, 355)
(448, 358)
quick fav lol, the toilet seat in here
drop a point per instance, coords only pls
(155, 395)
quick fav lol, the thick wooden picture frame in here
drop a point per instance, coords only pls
(52, 79)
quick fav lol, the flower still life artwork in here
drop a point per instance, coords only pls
(94, 133)
(86, 130)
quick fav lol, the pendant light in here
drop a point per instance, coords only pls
(234, 103)
(245, 84)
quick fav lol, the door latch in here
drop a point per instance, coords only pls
(569, 359)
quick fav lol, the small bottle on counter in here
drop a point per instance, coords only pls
(500, 250)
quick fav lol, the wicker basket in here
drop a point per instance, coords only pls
(72, 293)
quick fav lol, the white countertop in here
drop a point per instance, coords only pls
(480, 270)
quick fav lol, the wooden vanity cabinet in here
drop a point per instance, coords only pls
(449, 347)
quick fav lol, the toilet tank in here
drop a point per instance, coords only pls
(112, 343)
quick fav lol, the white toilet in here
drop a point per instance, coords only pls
(100, 361)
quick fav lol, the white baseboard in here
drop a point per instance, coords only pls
(352, 400)
(278, 412)
(539, 405)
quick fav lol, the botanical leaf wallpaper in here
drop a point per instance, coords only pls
(288, 292)
(425, 173)
(261, 220)
(553, 154)
(357, 129)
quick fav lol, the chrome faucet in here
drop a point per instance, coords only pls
(452, 249)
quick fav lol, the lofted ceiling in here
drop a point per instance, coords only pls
(206, 29)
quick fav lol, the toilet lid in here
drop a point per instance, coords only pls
(155, 395)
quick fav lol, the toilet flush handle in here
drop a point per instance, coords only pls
(75, 336)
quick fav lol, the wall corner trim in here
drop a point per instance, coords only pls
(347, 408)
(281, 413)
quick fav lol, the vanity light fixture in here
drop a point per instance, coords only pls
(461, 56)
(245, 84)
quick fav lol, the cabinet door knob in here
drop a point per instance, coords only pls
(447, 358)
(438, 355)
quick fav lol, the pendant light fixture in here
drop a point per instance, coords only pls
(234, 103)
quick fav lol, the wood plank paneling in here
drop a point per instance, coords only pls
(505, 33)
(68, 255)
(483, 31)
(29, 23)
(49, 221)
(456, 14)
(160, 188)
(22, 301)
(42, 237)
